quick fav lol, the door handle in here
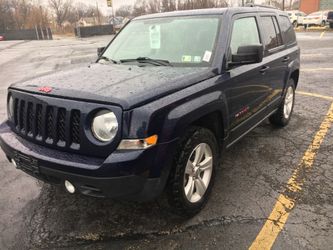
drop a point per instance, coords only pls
(264, 69)
(286, 59)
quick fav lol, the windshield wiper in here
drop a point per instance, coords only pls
(108, 59)
(156, 62)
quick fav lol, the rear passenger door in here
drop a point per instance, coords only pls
(276, 58)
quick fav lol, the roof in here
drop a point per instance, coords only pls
(213, 11)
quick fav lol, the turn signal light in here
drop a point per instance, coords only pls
(132, 144)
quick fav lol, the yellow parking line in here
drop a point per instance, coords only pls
(286, 202)
(322, 34)
(330, 98)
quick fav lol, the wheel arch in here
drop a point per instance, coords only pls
(209, 111)
(295, 76)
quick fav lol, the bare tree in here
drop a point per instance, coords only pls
(154, 6)
(6, 16)
(62, 10)
(21, 14)
(125, 10)
(139, 8)
(275, 3)
(21, 10)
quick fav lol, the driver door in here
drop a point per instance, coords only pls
(246, 90)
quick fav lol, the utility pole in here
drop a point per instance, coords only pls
(243, 3)
(98, 14)
(283, 4)
(113, 10)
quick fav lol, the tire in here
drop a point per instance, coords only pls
(331, 25)
(323, 24)
(283, 115)
(295, 24)
(184, 178)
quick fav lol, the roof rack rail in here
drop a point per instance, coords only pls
(260, 5)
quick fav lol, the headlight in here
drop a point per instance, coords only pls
(105, 126)
(10, 107)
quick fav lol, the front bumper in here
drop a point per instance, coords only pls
(135, 175)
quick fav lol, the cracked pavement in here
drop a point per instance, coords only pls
(252, 175)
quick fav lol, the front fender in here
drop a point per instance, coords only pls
(181, 117)
(169, 116)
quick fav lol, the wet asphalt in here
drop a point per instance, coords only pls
(252, 174)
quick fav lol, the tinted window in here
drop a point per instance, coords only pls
(244, 32)
(272, 36)
(287, 29)
(330, 15)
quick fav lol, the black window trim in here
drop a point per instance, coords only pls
(283, 34)
(278, 48)
(241, 16)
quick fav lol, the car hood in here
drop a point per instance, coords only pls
(127, 86)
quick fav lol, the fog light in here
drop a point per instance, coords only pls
(69, 187)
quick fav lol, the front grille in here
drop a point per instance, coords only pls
(48, 124)
(75, 127)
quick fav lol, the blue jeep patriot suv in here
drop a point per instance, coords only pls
(164, 98)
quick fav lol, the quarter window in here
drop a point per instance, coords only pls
(287, 30)
(272, 35)
(244, 32)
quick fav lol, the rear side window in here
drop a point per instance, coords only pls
(272, 35)
(244, 32)
(288, 30)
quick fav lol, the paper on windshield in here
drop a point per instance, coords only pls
(207, 56)
(155, 36)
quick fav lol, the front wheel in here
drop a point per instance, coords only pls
(282, 116)
(295, 24)
(192, 176)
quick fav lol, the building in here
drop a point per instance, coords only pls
(309, 6)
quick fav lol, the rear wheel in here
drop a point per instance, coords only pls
(282, 116)
(295, 24)
(192, 177)
(323, 24)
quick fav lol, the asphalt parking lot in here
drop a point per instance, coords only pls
(274, 188)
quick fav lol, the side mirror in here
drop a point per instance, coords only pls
(248, 54)
(100, 51)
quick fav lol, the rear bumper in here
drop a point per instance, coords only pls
(312, 22)
(135, 175)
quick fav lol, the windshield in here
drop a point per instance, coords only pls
(182, 41)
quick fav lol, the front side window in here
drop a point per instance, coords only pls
(181, 41)
(244, 33)
(272, 36)
(287, 30)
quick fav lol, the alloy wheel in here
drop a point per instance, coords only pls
(198, 172)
